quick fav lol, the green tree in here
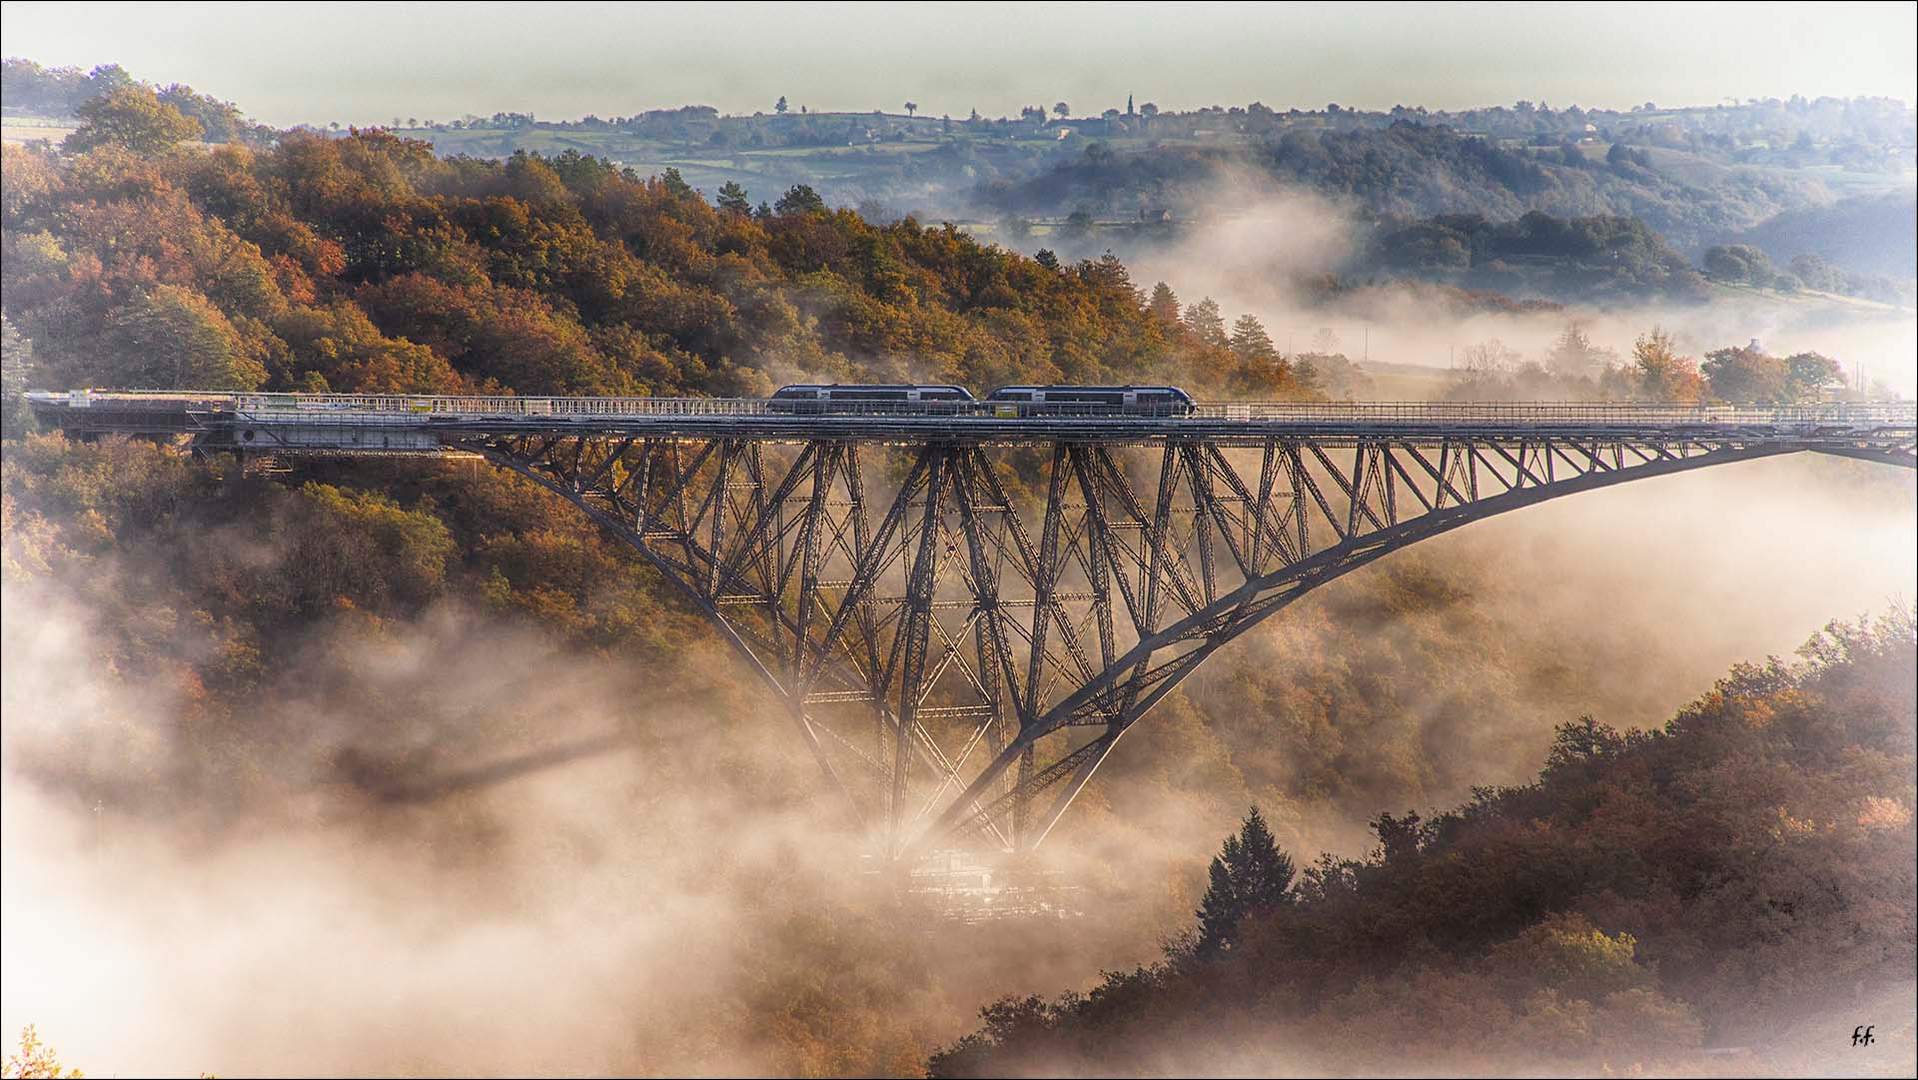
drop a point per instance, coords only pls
(1746, 376)
(1250, 875)
(1814, 272)
(1206, 323)
(1164, 304)
(676, 184)
(1581, 741)
(800, 199)
(132, 117)
(175, 339)
(1739, 264)
(912, 108)
(780, 105)
(733, 198)
(1107, 272)
(1062, 110)
(365, 547)
(1250, 340)
(1808, 375)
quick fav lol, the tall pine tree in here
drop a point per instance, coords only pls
(1250, 875)
(1250, 340)
(1204, 320)
(1164, 304)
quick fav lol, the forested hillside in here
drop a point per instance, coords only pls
(1597, 258)
(1795, 177)
(1873, 235)
(1415, 170)
(1714, 883)
(368, 264)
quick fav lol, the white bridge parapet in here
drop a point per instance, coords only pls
(411, 423)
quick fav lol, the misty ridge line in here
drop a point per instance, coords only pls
(55, 91)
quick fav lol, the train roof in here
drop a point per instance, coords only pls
(1087, 386)
(872, 386)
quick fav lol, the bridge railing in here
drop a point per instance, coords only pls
(1394, 412)
(1302, 412)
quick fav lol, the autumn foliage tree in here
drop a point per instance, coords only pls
(1750, 375)
(366, 264)
(1660, 373)
(1651, 892)
(35, 1060)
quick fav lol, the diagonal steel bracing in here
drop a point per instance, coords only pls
(962, 632)
(962, 614)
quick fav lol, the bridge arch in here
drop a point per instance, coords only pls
(1216, 548)
(962, 614)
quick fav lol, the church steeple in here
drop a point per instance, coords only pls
(1128, 105)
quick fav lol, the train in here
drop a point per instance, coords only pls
(1006, 402)
(812, 399)
(1014, 401)
(803, 399)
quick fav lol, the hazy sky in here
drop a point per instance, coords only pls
(286, 63)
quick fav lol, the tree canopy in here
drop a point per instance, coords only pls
(1651, 893)
(131, 118)
(1250, 876)
(364, 263)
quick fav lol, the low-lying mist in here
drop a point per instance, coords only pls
(1267, 239)
(376, 899)
(450, 844)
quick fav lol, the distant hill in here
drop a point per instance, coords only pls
(1870, 234)
(1419, 170)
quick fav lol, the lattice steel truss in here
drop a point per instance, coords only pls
(962, 632)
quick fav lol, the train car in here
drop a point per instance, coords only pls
(1015, 401)
(810, 399)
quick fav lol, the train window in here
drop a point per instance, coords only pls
(869, 395)
(1013, 395)
(790, 392)
(943, 395)
(1084, 398)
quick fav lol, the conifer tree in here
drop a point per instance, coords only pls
(1206, 323)
(1250, 875)
(1164, 304)
(733, 198)
(1250, 340)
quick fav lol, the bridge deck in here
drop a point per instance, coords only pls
(959, 636)
(401, 422)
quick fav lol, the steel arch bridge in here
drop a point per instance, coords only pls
(961, 614)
